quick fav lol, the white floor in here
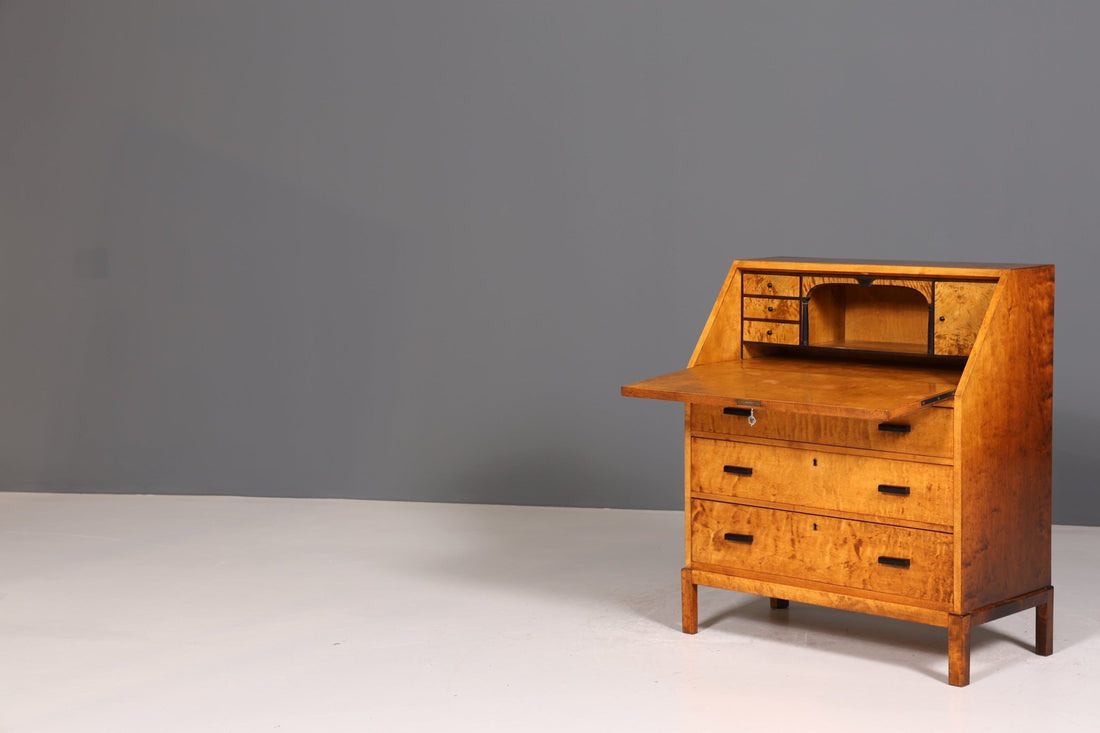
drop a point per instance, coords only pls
(139, 613)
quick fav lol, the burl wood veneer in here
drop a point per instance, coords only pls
(876, 437)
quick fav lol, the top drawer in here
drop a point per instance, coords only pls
(926, 432)
(756, 283)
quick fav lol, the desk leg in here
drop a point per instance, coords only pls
(958, 651)
(689, 594)
(1044, 626)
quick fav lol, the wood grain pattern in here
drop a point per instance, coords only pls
(688, 410)
(775, 309)
(880, 268)
(959, 310)
(689, 602)
(922, 286)
(771, 332)
(958, 650)
(930, 429)
(1003, 410)
(836, 551)
(771, 285)
(1044, 626)
(800, 386)
(970, 542)
(824, 481)
(808, 592)
(885, 318)
(721, 337)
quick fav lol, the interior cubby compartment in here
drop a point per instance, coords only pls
(892, 318)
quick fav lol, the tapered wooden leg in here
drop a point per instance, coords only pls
(689, 593)
(1044, 626)
(958, 651)
(780, 603)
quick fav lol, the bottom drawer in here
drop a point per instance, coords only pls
(864, 555)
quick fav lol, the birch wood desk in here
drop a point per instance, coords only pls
(873, 436)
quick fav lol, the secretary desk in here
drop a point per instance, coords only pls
(875, 437)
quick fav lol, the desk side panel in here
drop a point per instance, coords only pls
(1003, 412)
(721, 337)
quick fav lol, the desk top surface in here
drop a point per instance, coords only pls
(869, 391)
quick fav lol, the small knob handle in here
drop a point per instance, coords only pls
(769, 285)
(943, 318)
(769, 332)
(771, 308)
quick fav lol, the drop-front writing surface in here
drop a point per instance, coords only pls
(855, 439)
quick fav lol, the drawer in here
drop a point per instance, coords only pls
(756, 283)
(860, 555)
(777, 309)
(877, 487)
(771, 332)
(927, 432)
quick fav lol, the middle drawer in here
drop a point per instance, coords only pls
(875, 487)
(772, 309)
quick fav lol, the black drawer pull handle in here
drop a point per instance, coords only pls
(769, 332)
(742, 538)
(895, 490)
(738, 411)
(738, 470)
(771, 308)
(889, 427)
(897, 562)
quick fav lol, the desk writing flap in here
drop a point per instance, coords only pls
(873, 392)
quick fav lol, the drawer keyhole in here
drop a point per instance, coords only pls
(815, 461)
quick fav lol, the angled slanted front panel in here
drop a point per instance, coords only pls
(721, 337)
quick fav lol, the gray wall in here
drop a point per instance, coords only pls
(411, 249)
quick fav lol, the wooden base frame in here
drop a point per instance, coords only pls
(959, 626)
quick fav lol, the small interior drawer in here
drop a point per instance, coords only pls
(861, 555)
(756, 283)
(771, 332)
(776, 309)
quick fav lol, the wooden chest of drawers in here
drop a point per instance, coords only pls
(873, 437)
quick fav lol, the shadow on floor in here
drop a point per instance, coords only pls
(630, 560)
